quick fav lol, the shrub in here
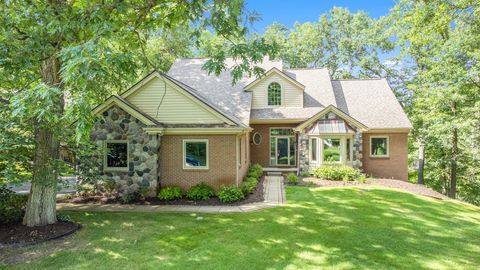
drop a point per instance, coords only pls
(249, 184)
(292, 178)
(256, 171)
(127, 198)
(64, 218)
(201, 191)
(12, 206)
(230, 194)
(306, 174)
(170, 193)
(336, 172)
(362, 178)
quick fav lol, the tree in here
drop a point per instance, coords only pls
(348, 44)
(61, 57)
(440, 39)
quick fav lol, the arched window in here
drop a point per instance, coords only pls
(274, 94)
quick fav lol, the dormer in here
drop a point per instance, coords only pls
(276, 90)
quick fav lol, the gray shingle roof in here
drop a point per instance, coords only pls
(370, 101)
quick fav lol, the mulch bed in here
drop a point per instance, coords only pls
(389, 183)
(18, 235)
(256, 196)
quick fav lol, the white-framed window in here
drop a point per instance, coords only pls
(314, 149)
(274, 94)
(332, 150)
(195, 154)
(379, 146)
(116, 155)
(257, 138)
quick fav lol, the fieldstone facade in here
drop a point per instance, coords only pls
(142, 175)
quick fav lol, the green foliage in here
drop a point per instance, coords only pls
(64, 218)
(306, 174)
(255, 171)
(200, 191)
(127, 198)
(362, 178)
(170, 193)
(292, 179)
(441, 56)
(249, 185)
(229, 194)
(12, 206)
(336, 172)
(348, 44)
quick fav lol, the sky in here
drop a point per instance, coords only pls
(287, 12)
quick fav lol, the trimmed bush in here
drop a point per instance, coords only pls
(230, 194)
(249, 184)
(292, 179)
(336, 172)
(255, 171)
(170, 193)
(12, 206)
(200, 191)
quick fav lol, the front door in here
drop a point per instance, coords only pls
(283, 153)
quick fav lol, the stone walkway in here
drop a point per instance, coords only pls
(274, 196)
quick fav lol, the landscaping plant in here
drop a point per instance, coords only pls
(336, 172)
(249, 185)
(292, 179)
(200, 191)
(170, 193)
(228, 194)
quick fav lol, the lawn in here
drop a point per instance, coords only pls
(338, 228)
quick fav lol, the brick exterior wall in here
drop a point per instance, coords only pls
(244, 156)
(261, 153)
(222, 162)
(396, 165)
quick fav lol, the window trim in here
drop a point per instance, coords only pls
(342, 146)
(184, 164)
(281, 95)
(316, 149)
(259, 135)
(388, 146)
(270, 136)
(106, 168)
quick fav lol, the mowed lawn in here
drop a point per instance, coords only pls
(338, 228)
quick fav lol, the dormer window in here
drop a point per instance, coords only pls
(274, 94)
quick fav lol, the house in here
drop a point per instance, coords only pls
(187, 127)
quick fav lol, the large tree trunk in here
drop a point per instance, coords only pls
(453, 173)
(41, 205)
(421, 161)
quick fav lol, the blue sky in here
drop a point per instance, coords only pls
(287, 12)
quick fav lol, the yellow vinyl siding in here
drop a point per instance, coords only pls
(292, 95)
(176, 107)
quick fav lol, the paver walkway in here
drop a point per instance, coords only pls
(274, 195)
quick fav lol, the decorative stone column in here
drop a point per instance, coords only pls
(357, 150)
(303, 153)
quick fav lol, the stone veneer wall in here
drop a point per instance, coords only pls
(304, 153)
(116, 124)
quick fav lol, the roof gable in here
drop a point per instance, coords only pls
(171, 102)
(335, 110)
(126, 106)
(269, 73)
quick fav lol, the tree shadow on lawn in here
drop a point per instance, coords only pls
(319, 228)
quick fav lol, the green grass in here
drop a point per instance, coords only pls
(338, 228)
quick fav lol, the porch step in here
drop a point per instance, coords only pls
(278, 171)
